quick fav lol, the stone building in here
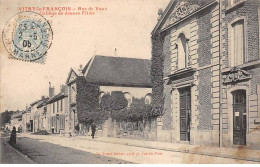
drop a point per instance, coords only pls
(57, 110)
(16, 120)
(42, 114)
(205, 59)
(128, 75)
(72, 116)
(240, 77)
(35, 116)
(26, 117)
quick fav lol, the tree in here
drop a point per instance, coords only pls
(87, 101)
(5, 117)
(114, 105)
(138, 109)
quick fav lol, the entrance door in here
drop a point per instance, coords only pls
(185, 109)
(31, 125)
(239, 117)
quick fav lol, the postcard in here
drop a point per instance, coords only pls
(130, 81)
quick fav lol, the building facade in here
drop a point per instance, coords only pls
(205, 59)
(111, 74)
(56, 111)
(26, 117)
(42, 114)
(16, 120)
(240, 88)
(72, 117)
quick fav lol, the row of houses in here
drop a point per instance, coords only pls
(204, 79)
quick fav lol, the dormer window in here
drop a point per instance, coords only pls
(182, 46)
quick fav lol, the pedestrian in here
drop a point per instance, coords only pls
(13, 136)
(77, 129)
(20, 129)
(93, 129)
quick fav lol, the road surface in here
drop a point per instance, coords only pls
(11, 156)
(55, 149)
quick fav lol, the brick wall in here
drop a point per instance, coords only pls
(204, 39)
(204, 98)
(250, 11)
(204, 76)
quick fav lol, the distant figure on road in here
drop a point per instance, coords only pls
(77, 129)
(13, 136)
(93, 129)
(20, 129)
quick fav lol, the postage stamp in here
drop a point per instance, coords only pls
(27, 36)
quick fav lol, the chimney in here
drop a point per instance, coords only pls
(65, 90)
(43, 97)
(115, 52)
(62, 88)
(51, 90)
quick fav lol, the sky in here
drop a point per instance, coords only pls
(125, 25)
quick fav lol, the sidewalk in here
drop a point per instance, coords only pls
(224, 152)
(10, 155)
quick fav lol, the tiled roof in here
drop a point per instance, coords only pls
(118, 71)
(42, 102)
(55, 98)
(17, 115)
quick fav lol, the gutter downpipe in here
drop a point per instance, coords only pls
(220, 75)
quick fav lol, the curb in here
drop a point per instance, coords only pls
(18, 152)
(182, 151)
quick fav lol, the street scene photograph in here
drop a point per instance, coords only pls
(130, 82)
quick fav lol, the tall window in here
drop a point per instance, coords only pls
(128, 98)
(61, 105)
(58, 106)
(237, 43)
(182, 51)
(53, 107)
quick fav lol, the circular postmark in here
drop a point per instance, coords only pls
(27, 36)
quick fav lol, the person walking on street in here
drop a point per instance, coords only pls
(13, 136)
(93, 129)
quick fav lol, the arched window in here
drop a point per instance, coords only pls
(101, 94)
(148, 99)
(128, 98)
(237, 43)
(182, 44)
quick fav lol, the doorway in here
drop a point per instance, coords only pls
(185, 113)
(239, 117)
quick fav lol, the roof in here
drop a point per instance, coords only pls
(56, 98)
(172, 4)
(118, 71)
(76, 71)
(42, 102)
(17, 115)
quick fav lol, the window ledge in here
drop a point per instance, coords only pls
(182, 71)
(257, 121)
(243, 66)
(234, 6)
